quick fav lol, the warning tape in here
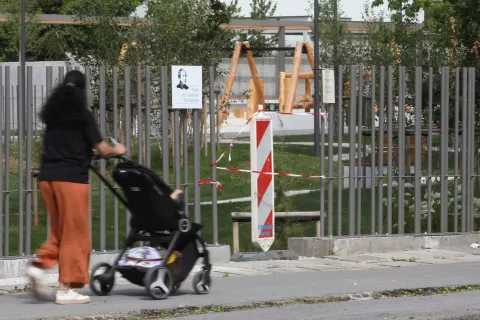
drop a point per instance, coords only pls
(280, 174)
(216, 183)
(230, 146)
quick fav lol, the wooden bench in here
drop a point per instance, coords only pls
(238, 217)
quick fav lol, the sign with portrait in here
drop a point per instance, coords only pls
(187, 87)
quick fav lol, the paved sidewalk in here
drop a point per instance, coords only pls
(247, 282)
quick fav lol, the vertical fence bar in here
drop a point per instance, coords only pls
(359, 172)
(28, 172)
(185, 159)
(389, 147)
(176, 139)
(429, 150)
(49, 88)
(331, 115)
(321, 121)
(455, 154)
(464, 150)
(8, 106)
(102, 162)
(165, 137)
(471, 158)
(418, 148)
(401, 148)
(340, 151)
(443, 150)
(139, 116)
(211, 74)
(2, 145)
(196, 164)
(34, 109)
(351, 129)
(61, 74)
(20, 137)
(127, 125)
(148, 116)
(468, 153)
(381, 120)
(115, 134)
(467, 150)
(372, 148)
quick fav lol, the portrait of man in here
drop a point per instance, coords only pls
(182, 79)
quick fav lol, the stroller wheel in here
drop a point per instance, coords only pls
(202, 282)
(158, 283)
(104, 276)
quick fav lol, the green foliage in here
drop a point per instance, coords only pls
(260, 10)
(348, 50)
(404, 10)
(409, 205)
(52, 42)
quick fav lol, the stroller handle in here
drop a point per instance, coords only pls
(124, 157)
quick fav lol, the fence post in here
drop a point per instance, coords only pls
(1, 157)
(213, 152)
(351, 170)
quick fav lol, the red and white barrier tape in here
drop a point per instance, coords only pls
(280, 174)
(216, 183)
(230, 146)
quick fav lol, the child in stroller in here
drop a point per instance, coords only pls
(157, 218)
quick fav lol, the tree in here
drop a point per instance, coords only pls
(52, 42)
(260, 10)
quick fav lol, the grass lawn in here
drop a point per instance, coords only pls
(288, 158)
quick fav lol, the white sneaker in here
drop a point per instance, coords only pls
(71, 297)
(38, 286)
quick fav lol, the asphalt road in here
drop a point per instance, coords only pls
(247, 289)
(453, 306)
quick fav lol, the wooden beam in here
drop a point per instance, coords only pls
(310, 56)
(297, 61)
(231, 74)
(308, 88)
(255, 77)
(301, 76)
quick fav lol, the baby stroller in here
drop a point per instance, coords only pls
(159, 220)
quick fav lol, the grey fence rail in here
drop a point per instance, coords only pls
(412, 152)
(131, 103)
(405, 161)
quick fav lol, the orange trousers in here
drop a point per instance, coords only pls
(69, 240)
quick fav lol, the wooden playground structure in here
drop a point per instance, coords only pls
(287, 85)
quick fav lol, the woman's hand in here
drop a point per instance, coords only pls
(175, 194)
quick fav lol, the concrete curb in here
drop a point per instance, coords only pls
(344, 246)
(13, 268)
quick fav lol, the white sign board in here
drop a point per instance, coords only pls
(187, 87)
(328, 86)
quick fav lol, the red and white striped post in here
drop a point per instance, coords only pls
(261, 159)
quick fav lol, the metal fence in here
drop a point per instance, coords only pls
(132, 104)
(410, 167)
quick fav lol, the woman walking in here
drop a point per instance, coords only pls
(71, 135)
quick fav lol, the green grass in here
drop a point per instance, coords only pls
(288, 158)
